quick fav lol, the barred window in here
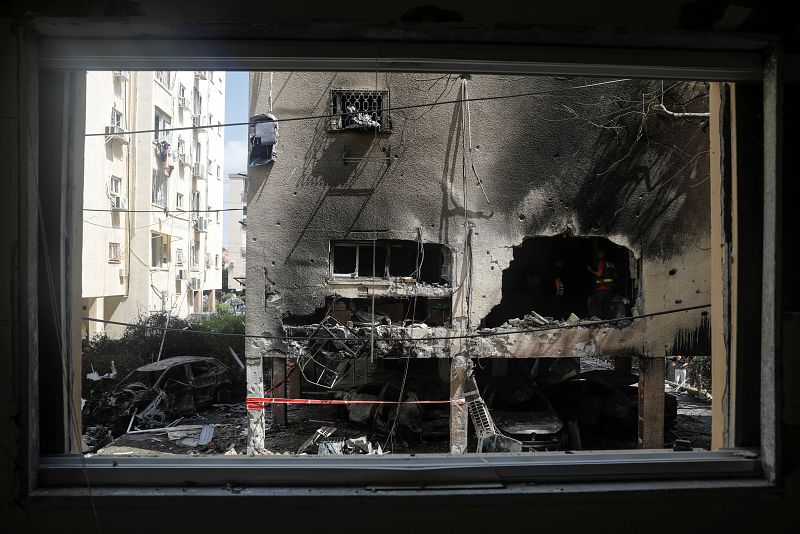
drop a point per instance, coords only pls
(360, 110)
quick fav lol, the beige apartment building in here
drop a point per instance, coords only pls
(152, 240)
(234, 227)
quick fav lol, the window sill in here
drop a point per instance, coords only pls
(616, 470)
(115, 261)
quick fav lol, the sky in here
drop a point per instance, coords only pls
(236, 108)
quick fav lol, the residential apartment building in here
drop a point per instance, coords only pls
(152, 240)
(234, 228)
(447, 222)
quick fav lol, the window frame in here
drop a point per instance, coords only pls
(713, 469)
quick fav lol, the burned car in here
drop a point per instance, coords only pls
(171, 387)
(604, 402)
(521, 411)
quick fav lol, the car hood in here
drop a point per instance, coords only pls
(521, 423)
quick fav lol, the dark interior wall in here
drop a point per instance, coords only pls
(461, 510)
(529, 280)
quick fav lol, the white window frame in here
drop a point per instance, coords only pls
(117, 118)
(179, 201)
(114, 252)
(115, 186)
(159, 250)
(706, 470)
(161, 123)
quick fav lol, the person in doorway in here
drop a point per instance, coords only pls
(603, 286)
(681, 365)
(555, 287)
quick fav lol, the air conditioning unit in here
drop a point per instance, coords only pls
(121, 74)
(194, 284)
(181, 274)
(198, 170)
(123, 272)
(202, 224)
(116, 133)
(201, 74)
(183, 102)
(119, 203)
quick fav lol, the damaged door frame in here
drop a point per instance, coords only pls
(71, 56)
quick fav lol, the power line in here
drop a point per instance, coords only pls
(395, 108)
(165, 211)
(492, 333)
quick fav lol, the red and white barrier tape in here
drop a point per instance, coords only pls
(257, 403)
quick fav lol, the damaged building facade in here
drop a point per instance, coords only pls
(428, 216)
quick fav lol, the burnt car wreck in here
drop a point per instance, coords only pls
(155, 395)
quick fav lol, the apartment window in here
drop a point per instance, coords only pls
(360, 110)
(219, 172)
(179, 259)
(195, 201)
(197, 101)
(159, 189)
(210, 166)
(116, 118)
(164, 78)
(161, 124)
(208, 260)
(392, 258)
(181, 149)
(194, 254)
(196, 150)
(182, 95)
(116, 185)
(159, 251)
(179, 201)
(216, 261)
(114, 255)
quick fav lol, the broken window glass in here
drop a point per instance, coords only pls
(344, 259)
(263, 140)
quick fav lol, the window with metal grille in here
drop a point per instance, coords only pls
(360, 110)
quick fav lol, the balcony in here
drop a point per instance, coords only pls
(183, 102)
(116, 133)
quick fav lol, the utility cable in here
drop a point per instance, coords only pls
(395, 108)
(492, 333)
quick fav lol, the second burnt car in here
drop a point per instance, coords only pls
(153, 393)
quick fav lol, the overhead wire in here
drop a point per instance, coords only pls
(476, 335)
(393, 108)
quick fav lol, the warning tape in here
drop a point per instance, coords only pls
(257, 403)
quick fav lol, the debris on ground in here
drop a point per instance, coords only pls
(322, 432)
(349, 446)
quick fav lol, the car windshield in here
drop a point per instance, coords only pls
(148, 378)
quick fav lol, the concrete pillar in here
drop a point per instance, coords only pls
(279, 377)
(459, 417)
(651, 403)
(255, 388)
